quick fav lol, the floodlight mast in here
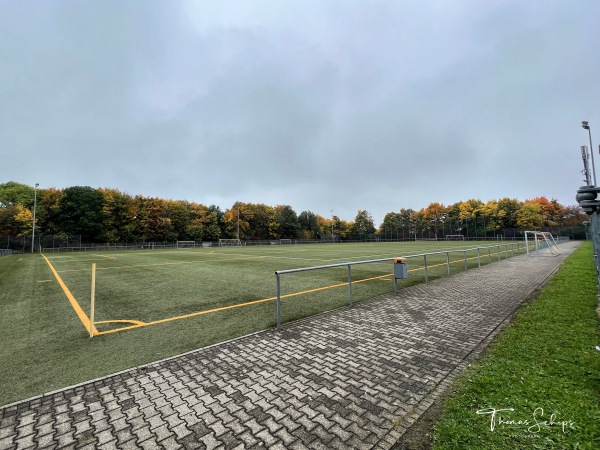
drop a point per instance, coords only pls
(34, 208)
(585, 126)
(586, 167)
(332, 224)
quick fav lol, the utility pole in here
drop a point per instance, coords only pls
(34, 208)
(332, 225)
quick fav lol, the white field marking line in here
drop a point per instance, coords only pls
(76, 260)
(107, 257)
(295, 258)
(177, 263)
(45, 281)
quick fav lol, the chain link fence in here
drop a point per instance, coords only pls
(64, 243)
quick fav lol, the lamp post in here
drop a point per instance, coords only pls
(332, 224)
(585, 126)
(34, 208)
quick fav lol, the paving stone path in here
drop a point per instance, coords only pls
(349, 379)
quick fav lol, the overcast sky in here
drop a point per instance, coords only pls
(322, 105)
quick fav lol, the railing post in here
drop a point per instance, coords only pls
(278, 301)
(465, 256)
(478, 258)
(350, 284)
(498, 253)
(448, 262)
(425, 267)
(489, 256)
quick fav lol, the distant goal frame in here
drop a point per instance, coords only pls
(541, 239)
(230, 243)
(185, 244)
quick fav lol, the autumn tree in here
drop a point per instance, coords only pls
(81, 213)
(16, 220)
(529, 216)
(13, 193)
(287, 221)
(48, 211)
(435, 215)
(118, 215)
(213, 227)
(390, 227)
(507, 212)
(309, 225)
(363, 227)
(573, 215)
(550, 210)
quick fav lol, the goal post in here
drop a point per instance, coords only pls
(186, 244)
(455, 237)
(230, 243)
(541, 241)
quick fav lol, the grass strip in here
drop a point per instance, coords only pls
(538, 386)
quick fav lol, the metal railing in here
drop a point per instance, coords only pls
(499, 250)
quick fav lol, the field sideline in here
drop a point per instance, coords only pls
(45, 341)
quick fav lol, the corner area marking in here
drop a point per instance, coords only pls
(82, 316)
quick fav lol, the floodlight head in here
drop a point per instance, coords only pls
(585, 125)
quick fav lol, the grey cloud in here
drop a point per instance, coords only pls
(321, 105)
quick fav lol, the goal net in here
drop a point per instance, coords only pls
(230, 243)
(455, 237)
(285, 241)
(186, 244)
(541, 242)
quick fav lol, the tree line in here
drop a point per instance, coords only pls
(111, 216)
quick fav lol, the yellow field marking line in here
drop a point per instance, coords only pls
(135, 322)
(82, 316)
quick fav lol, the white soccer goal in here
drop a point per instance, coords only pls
(455, 237)
(186, 244)
(285, 241)
(543, 243)
(230, 243)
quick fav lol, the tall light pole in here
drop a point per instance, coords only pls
(34, 208)
(332, 224)
(585, 126)
(238, 224)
